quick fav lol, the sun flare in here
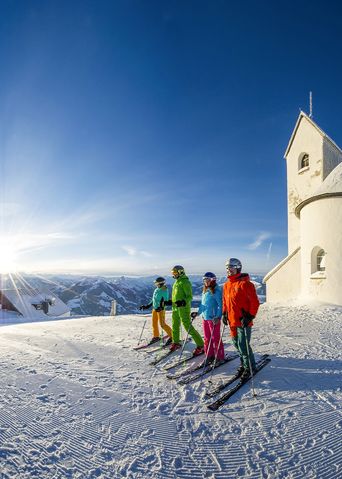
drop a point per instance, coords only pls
(8, 257)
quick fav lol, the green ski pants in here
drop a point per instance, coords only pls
(239, 342)
(179, 315)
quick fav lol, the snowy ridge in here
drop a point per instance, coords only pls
(78, 402)
(93, 295)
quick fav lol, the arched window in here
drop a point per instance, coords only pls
(318, 257)
(303, 161)
(320, 260)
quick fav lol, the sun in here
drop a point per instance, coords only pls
(8, 257)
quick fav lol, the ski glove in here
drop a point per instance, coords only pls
(215, 321)
(246, 319)
(224, 318)
(180, 302)
(159, 309)
(193, 315)
(145, 306)
(168, 302)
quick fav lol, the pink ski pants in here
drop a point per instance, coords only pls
(212, 331)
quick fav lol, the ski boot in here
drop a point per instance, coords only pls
(210, 359)
(199, 350)
(240, 370)
(175, 346)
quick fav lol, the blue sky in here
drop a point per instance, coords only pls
(140, 134)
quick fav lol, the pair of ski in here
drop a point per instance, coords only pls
(260, 364)
(202, 369)
(148, 345)
(184, 360)
(160, 357)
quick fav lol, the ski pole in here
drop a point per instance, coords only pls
(218, 347)
(206, 354)
(249, 361)
(186, 338)
(142, 330)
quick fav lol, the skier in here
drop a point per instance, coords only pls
(181, 306)
(211, 311)
(239, 307)
(160, 295)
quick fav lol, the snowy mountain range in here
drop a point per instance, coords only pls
(93, 295)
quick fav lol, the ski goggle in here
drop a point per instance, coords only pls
(177, 272)
(208, 279)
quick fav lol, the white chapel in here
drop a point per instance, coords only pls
(313, 268)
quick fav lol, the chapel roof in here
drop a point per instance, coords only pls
(302, 115)
(331, 186)
(332, 183)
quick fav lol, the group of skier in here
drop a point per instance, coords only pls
(236, 305)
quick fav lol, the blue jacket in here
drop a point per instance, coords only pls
(211, 304)
(158, 294)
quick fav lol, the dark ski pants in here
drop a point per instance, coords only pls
(239, 342)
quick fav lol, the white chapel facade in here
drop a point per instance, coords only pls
(313, 268)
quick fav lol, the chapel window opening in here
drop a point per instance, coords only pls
(318, 258)
(303, 161)
(320, 264)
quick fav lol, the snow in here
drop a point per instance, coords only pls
(79, 402)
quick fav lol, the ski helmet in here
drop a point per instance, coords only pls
(234, 263)
(209, 278)
(177, 271)
(159, 281)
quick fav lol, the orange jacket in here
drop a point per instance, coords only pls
(238, 294)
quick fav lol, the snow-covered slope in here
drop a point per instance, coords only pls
(78, 402)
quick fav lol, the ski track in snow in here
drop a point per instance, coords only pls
(78, 402)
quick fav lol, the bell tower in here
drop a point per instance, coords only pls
(310, 156)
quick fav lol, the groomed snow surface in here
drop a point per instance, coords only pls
(78, 402)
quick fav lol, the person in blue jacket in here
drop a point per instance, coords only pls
(211, 311)
(160, 295)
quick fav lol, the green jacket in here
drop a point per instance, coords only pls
(182, 289)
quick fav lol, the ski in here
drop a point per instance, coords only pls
(163, 346)
(161, 357)
(232, 379)
(190, 370)
(160, 346)
(185, 359)
(189, 377)
(147, 345)
(224, 398)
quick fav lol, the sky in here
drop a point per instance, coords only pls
(135, 135)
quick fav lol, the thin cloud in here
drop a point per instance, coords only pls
(258, 241)
(28, 242)
(131, 251)
(146, 254)
(269, 252)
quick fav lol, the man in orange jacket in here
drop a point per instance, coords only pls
(240, 304)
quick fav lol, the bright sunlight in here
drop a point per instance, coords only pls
(8, 256)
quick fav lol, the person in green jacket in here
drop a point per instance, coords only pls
(181, 308)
